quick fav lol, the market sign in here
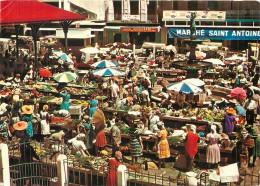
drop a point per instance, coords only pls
(171, 15)
(130, 17)
(216, 34)
(139, 29)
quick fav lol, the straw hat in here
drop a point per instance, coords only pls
(45, 107)
(22, 125)
(231, 111)
(27, 109)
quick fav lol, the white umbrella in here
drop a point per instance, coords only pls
(194, 81)
(105, 64)
(65, 77)
(108, 72)
(184, 87)
(214, 61)
(63, 56)
(90, 50)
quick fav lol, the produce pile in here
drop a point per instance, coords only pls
(47, 88)
(83, 103)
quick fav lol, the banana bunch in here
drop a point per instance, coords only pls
(147, 108)
(40, 152)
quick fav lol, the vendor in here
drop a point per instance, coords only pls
(250, 106)
(116, 136)
(27, 77)
(78, 146)
(113, 165)
(27, 117)
(45, 118)
(136, 145)
(163, 147)
(229, 121)
(255, 151)
(213, 149)
(93, 105)
(17, 79)
(154, 119)
(65, 101)
(191, 146)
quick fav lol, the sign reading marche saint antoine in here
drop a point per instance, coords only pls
(216, 34)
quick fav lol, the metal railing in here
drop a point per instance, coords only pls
(90, 172)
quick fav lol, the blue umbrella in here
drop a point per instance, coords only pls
(63, 56)
(105, 64)
(184, 87)
(241, 111)
(108, 72)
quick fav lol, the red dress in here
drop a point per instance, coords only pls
(191, 146)
(112, 175)
(101, 139)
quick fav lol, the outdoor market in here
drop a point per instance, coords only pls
(170, 114)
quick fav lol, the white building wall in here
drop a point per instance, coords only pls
(96, 6)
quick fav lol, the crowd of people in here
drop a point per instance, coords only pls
(133, 92)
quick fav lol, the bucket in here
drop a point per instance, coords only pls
(191, 178)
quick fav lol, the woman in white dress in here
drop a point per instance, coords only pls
(45, 126)
(213, 149)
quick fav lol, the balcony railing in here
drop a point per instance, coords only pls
(151, 18)
(243, 14)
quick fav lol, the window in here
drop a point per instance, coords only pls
(212, 5)
(192, 5)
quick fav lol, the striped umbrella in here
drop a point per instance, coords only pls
(108, 72)
(63, 56)
(65, 77)
(184, 87)
(194, 81)
(105, 64)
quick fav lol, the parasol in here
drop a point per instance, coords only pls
(65, 77)
(184, 87)
(108, 72)
(194, 81)
(99, 119)
(45, 73)
(105, 64)
(63, 56)
(239, 94)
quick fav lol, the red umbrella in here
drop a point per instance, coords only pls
(15, 12)
(32, 11)
(239, 94)
(120, 57)
(45, 73)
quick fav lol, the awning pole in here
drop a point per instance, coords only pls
(17, 47)
(35, 28)
(65, 25)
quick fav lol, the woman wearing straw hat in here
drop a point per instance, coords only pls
(27, 151)
(27, 111)
(45, 126)
(229, 120)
